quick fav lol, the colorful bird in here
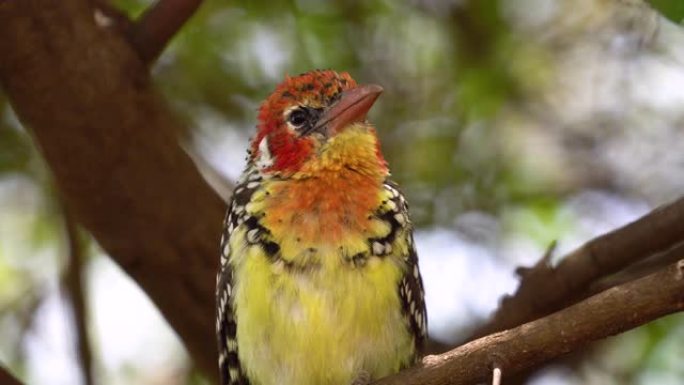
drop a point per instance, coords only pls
(319, 281)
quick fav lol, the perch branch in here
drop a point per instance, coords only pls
(544, 289)
(608, 313)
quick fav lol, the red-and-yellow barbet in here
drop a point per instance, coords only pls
(319, 281)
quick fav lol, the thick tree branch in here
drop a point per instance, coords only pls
(159, 24)
(545, 289)
(6, 378)
(110, 141)
(611, 312)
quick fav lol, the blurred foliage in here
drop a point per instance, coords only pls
(517, 110)
(28, 221)
(672, 9)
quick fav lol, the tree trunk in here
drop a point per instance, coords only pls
(110, 141)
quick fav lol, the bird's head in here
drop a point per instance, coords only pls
(317, 121)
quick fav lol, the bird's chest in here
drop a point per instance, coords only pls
(320, 326)
(321, 210)
(321, 220)
(309, 314)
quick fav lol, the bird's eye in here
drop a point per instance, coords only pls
(297, 117)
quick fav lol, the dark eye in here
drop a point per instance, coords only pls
(298, 117)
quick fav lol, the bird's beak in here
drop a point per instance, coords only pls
(352, 107)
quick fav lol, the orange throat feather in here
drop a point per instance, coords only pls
(333, 193)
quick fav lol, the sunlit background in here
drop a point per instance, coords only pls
(508, 123)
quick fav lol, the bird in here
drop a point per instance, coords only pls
(318, 282)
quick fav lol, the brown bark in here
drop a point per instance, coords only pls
(159, 24)
(6, 378)
(72, 286)
(639, 269)
(110, 141)
(526, 346)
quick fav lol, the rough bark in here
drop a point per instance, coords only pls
(111, 144)
(6, 378)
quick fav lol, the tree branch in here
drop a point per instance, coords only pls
(526, 346)
(111, 143)
(159, 24)
(72, 282)
(544, 289)
(637, 270)
(6, 378)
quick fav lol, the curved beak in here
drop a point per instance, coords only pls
(352, 107)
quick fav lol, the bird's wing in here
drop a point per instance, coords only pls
(226, 323)
(410, 287)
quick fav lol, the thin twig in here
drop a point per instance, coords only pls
(496, 376)
(529, 345)
(637, 270)
(72, 283)
(160, 22)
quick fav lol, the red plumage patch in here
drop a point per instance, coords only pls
(315, 88)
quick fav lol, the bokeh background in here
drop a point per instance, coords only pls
(508, 123)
